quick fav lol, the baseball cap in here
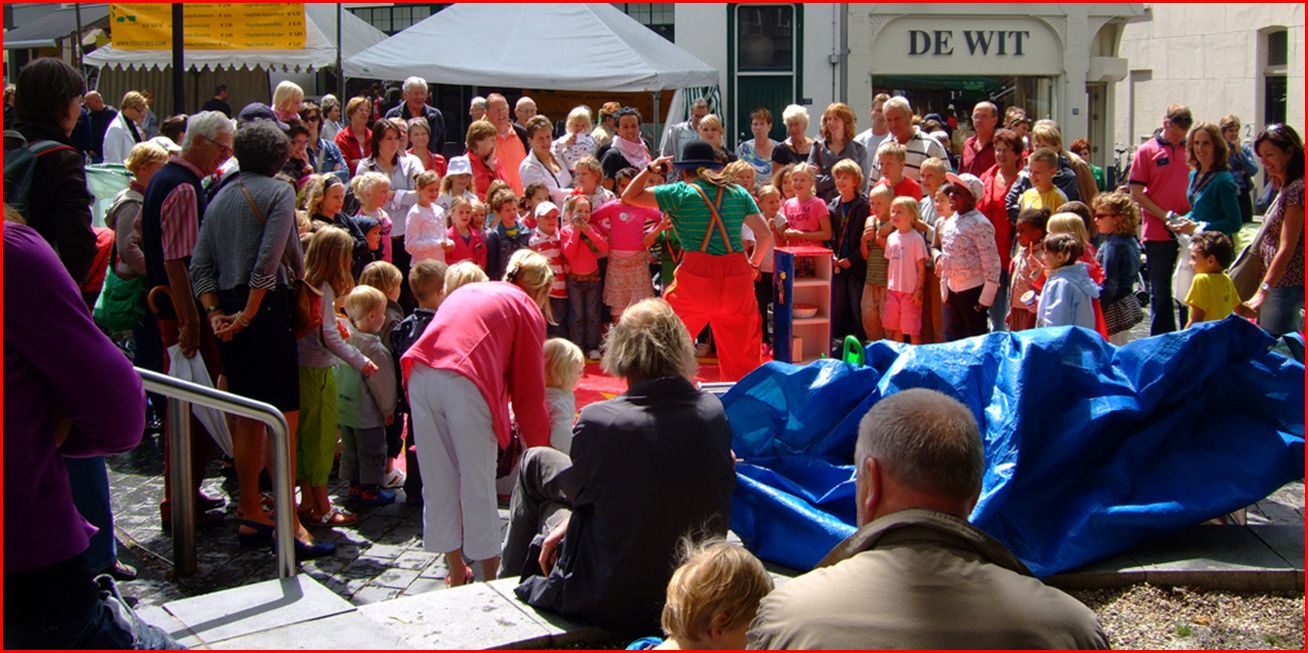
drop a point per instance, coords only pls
(167, 144)
(258, 111)
(971, 181)
(544, 208)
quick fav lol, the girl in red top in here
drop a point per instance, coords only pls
(355, 140)
(582, 247)
(469, 243)
(483, 349)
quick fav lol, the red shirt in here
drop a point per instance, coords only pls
(580, 257)
(977, 159)
(493, 334)
(473, 249)
(352, 149)
(431, 161)
(907, 187)
(992, 206)
(482, 175)
(1161, 168)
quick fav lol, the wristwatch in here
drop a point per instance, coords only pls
(212, 309)
(1265, 287)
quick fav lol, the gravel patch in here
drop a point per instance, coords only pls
(1150, 617)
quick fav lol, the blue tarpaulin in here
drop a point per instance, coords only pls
(1089, 448)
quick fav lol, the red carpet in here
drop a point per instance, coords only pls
(595, 385)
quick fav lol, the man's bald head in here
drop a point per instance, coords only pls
(93, 101)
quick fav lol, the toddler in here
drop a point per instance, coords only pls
(712, 598)
(564, 366)
(891, 157)
(547, 241)
(1212, 294)
(906, 251)
(366, 405)
(469, 243)
(1065, 299)
(582, 246)
(1028, 272)
(1042, 194)
(507, 236)
(373, 189)
(577, 143)
(427, 226)
(873, 244)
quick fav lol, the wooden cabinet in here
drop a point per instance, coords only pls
(799, 338)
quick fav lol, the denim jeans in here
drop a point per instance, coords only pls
(999, 309)
(1161, 255)
(106, 623)
(1279, 314)
(846, 309)
(89, 480)
(584, 298)
(559, 308)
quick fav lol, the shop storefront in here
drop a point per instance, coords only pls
(1055, 61)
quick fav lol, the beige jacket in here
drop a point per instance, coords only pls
(922, 579)
(1085, 177)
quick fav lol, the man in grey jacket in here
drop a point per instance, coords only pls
(916, 574)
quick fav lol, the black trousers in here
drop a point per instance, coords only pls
(961, 316)
(538, 507)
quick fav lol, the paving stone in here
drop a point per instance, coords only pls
(472, 616)
(1285, 539)
(373, 594)
(349, 631)
(1216, 557)
(424, 585)
(418, 560)
(396, 578)
(562, 631)
(157, 616)
(253, 608)
(390, 551)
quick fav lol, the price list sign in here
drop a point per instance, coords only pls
(208, 26)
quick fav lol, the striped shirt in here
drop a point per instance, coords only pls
(551, 247)
(179, 219)
(920, 148)
(878, 267)
(691, 217)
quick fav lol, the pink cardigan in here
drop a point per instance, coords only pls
(493, 334)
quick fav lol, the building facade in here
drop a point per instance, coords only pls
(1241, 59)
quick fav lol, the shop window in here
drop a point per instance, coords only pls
(658, 16)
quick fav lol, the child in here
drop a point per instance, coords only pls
(532, 196)
(582, 246)
(371, 229)
(1212, 294)
(1070, 223)
(480, 210)
(387, 278)
(469, 243)
(577, 143)
(932, 172)
(547, 241)
(781, 181)
(427, 279)
(587, 180)
(1065, 299)
(366, 404)
(1116, 218)
(891, 156)
(462, 274)
(906, 251)
(564, 365)
(872, 245)
(850, 210)
(629, 230)
(743, 174)
(712, 598)
(327, 272)
(425, 233)
(457, 183)
(507, 236)
(1028, 272)
(769, 205)
(373, 189)
(807, 220)
(1042, 194)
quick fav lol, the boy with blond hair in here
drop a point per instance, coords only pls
(366, 406)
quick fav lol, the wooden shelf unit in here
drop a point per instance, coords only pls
(801, 340)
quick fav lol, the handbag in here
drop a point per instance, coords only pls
(121, 304)
(306, 312)
(1248, 270)
(1123, 314)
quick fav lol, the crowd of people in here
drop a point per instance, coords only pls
(327, 258)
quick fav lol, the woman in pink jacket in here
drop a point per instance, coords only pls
(481, 350)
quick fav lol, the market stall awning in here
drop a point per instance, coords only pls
(45, 31)
(319, 48)
(574, 47)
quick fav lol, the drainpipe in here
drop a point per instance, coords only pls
(844, 52)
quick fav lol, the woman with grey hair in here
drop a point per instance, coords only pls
(246, 260)
(331, 117)
(608, 564)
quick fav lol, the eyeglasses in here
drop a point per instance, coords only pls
(225, 149)
(313, 118)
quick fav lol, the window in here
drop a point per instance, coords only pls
(658, 16)
(1275, 86)
(1277, 46)
(766, 42)
(396, 18)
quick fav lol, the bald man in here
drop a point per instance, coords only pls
(978, 149)
(101, 115)
(524, 110)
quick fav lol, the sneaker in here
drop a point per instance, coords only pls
(393, 479)
(375, 498)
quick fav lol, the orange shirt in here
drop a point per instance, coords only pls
(509, 154)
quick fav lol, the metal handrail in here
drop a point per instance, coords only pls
(181, 394)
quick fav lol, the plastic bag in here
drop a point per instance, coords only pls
(193, 369)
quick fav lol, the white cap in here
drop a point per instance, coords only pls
(459, 165)
(971, 181)
(167, 144)
(544, 208)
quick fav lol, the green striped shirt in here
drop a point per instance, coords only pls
(691, 217)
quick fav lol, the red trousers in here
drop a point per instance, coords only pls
(719, 291)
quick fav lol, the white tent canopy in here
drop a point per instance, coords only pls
(571, 47)
(319, 48)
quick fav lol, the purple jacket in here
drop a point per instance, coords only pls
(57, 364)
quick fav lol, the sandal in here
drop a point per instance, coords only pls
(469, 578)
(334, 517)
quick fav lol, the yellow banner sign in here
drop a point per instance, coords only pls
(208, 26)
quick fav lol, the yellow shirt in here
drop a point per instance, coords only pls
(1213, 293)
(1034, 199)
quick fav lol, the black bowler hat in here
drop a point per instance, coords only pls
(698, 154)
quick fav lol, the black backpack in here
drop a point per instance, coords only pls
(20, 166)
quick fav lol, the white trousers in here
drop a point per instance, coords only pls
(455, 438)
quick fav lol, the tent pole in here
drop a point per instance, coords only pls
(340, 69)
(179, 72)
(77, 38)
(657, 132)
